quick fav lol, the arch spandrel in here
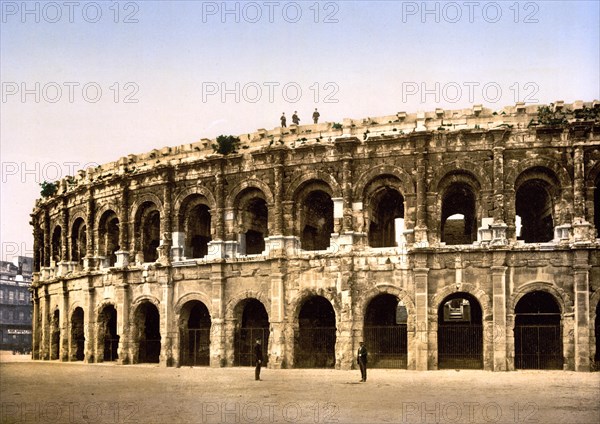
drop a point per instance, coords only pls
(406, 183)
(306, 177)
(457, 167)
(234, 194)
(565, 303)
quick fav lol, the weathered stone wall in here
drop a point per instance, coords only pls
(485, 166)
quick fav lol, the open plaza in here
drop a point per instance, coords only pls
(70, 392)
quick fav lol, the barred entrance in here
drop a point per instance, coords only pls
(460, 333)
(195, 334)
(538, 335)
(77, 336)
(315, 339)
(254, 324)
(107, 333)
(385, 334)
(147, 321)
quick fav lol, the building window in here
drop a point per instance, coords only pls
(21, 296)
(21, 316)
(11, 315)
(1, 294)
(11, 296)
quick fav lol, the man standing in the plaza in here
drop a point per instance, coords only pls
(361, 358)
(258, 358)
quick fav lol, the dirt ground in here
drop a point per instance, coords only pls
(56, 392)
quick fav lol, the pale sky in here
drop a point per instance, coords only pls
(87, 82)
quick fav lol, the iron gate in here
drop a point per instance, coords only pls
(386, 346)
(79, 351)
(195, 347)
(315, 347)
(460, 346)
(244, 345)
(538, 347)
(110, 349)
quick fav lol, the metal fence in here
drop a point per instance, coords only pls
(195, 347)
(245, 340)
(315, 347)
(149, 351)
(460, 346)
(538, 347)
(387, 346)
(110, 349)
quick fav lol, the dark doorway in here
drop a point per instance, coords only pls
(77, 335)
(254, 325)
(195, 343)
(534, 205)
(459, 220)
(387, 206)
(317, 218)
(385, 333)
(255, 221)
(460, 333)
(538, 336)
(107, 333)
(55, 336)
(315, 341)
(148, 333)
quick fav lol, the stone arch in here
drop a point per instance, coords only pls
(181, 197)
(230, 308)
(141, 299)
(104, 209)
(106, 332)
(188, 297)
(400, 293)
(231, 199)
(482, 297)
(559, 171)
(304, 294)
(74, 217)
(306, 177)
(477, 171)
(563, 299)
(146, 197)
(406, 186)
(103, 304)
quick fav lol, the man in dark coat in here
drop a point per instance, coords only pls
(361, 358)
(283, 120)
(316, 115)
(258, 358)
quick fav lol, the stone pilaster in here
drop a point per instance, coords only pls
(90, 348)
(35, 324)
(581, 285)
(421, 232)
(498, 333)
(168, 324)
(217, 333)
(46, 331)
(277, 346)
(123, 252)
(123, 325)
(64, 321)
(421, 340)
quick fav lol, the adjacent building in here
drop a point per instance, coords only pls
(15, 304)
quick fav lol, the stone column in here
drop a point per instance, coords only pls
(582, 230)
(217, 333)
(47, 240)
(166, 227)
(124, 251)
(64, 324)
(35, 324)
(274, 243)
(420, 350)
(345, 342)
(581, 285)
(46, 331)
(421, 232)
(168, 324)
(91, 352)
(277, 348)
(499, 226)
(498, 333)
(123, 325)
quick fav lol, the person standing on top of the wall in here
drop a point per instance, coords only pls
(316, 115)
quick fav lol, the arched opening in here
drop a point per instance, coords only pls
(108, 233)
(56, 246)
(147, 324)
(385, 333)
(108, 339)
(315, 341)
(78, 241)
(55, 336)
(597, 334)
(538, 336)
(151, 236)
(254, 324)
(460, 332)
(459, 220)
(533, 204)
(197, 229)
(77, 335)
(386, 213)
(255, 218)
(317, 221)
(195, 334)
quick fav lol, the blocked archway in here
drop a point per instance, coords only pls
(460, 332)
(147, 334)
(537, 332)
(252, 323)
(108, 338)
(385, 332)
(314, 346)
(77, 335)
(195, 324)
